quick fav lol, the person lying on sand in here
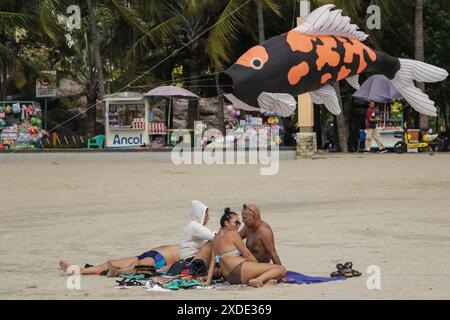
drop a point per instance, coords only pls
(156, 257)
(237, 263)
(260, 239)
(194, 236)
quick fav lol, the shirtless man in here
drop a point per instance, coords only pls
(260, 240)
(157, 257)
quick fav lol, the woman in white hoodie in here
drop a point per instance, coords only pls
(195, 234)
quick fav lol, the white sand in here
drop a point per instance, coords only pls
(387, 210)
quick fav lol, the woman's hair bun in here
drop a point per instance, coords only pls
(227, 210)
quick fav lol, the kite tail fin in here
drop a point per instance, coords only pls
(403, 81)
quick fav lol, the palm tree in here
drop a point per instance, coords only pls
(38, 23)
(83, 71)
(260, 5)
(211, 26)
(420, 52)
(96, 47)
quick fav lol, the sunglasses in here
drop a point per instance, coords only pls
(235, 221)
(245, 207)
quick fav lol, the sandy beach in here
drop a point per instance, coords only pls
(389, 210)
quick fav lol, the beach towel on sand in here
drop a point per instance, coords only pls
(298, 278)
(181, 283)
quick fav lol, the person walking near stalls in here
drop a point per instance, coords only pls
(372, 132)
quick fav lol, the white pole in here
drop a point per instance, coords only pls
(168, 121)
(305, 8)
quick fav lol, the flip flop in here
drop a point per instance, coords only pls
(349, 272)
(338, 273)
(345, 270)
(129, 283)
(353, 272)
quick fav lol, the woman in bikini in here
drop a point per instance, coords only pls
(237, 263)
(156, 257)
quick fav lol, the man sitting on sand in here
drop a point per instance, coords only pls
(260, 239)
(237, 264)
(156, 257)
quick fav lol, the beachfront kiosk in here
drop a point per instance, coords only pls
(126, 115)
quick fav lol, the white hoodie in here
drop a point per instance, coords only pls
(195, 235)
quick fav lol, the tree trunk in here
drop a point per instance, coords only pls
(261, 32)
(193, 113)
(420, 53)
(3, 69)
(323, 127)
(91, 115)
(3, 80)
(341, 122)
(92, 112)
(220, 111)
(96, 44)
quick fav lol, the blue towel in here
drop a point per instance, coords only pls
(298, 278)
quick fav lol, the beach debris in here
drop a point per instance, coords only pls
(152, 286)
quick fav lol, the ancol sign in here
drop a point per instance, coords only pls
(124, 140)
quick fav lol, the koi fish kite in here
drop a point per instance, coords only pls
(324, 49)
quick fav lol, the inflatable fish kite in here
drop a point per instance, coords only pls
(324, 49)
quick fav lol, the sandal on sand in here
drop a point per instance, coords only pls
(345, 270)
(349, 272)
(337, 273)
(129, 283)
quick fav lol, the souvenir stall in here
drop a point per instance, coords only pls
(20, 125)
(131, 122)
(126, 116)
(162, 134)
(249, 123)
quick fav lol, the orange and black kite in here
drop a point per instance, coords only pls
(324, 49)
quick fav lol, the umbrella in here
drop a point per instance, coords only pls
(378, 89)
(171, 92)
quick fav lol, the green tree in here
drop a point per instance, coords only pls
(27, 27)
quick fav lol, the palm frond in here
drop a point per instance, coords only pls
(271, 5)
(193, 7)
(8, 55)
(14, 19)
(226, 32)
(155, 37)
(131, 15)
(152, 10)
(48, 18)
